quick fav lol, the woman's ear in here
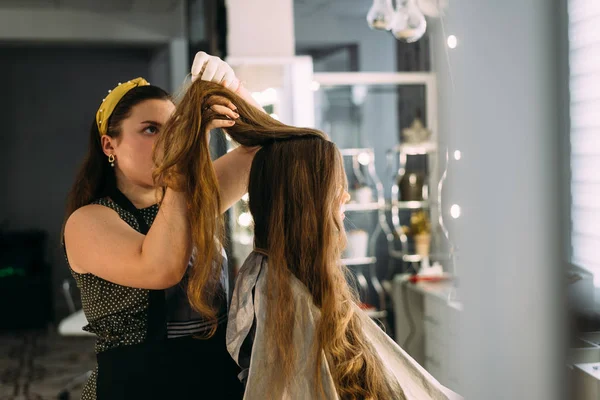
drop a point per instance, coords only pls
(107, 145)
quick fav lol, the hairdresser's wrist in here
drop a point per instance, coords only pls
(171, 179)
(176, 200)
(239, 87)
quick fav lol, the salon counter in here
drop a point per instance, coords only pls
(426, 326)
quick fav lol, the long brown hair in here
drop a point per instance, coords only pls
(295, 188)
(95, 177)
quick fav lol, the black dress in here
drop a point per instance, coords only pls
(146, 347)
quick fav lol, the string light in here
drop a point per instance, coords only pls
(452, 41)
(245, 219)
(455, 211)
(364, 158)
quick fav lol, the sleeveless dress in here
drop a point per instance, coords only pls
(147, 345)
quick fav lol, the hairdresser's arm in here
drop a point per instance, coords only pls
(101, 243)
(233, 170)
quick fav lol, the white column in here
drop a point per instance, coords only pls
(261, 48)
(260, 28)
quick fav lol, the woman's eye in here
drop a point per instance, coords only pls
(151, 130)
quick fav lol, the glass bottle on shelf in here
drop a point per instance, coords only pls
(411, 186)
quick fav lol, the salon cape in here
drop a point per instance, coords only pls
(408, 379)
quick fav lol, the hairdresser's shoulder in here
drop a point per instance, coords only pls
(92, 214)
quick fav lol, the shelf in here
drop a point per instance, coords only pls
(405, 257)
(356, 151)
(410, 205)
(361, 206)
(373, 78)
(411, 258)
(397, 254)
(416, 149)
(359, 261)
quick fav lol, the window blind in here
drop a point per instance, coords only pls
(584, 86)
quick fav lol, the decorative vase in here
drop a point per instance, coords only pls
(362, 195)
(415, 133)
(422, 244)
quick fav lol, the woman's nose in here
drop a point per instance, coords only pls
(345, 197)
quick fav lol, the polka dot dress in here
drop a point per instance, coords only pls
(117, 315)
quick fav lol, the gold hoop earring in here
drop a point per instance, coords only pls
(111, 160)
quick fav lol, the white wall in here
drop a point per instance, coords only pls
(501, 114)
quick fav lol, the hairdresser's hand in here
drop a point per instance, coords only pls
(220, 112)
(213, 69)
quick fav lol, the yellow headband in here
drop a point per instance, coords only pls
(110, 102)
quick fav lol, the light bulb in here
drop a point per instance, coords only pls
(455, 211)
(258, 96)
(364, 158)
(452, 41)
(381, 15)
(409, 23)
(269, 96)
(245, 219)
(359, 94)
(457, 155)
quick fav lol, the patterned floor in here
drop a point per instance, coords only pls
(38, 365)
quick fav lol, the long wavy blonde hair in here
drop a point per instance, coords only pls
(296, 185)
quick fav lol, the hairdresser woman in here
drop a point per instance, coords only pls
(127, 242)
